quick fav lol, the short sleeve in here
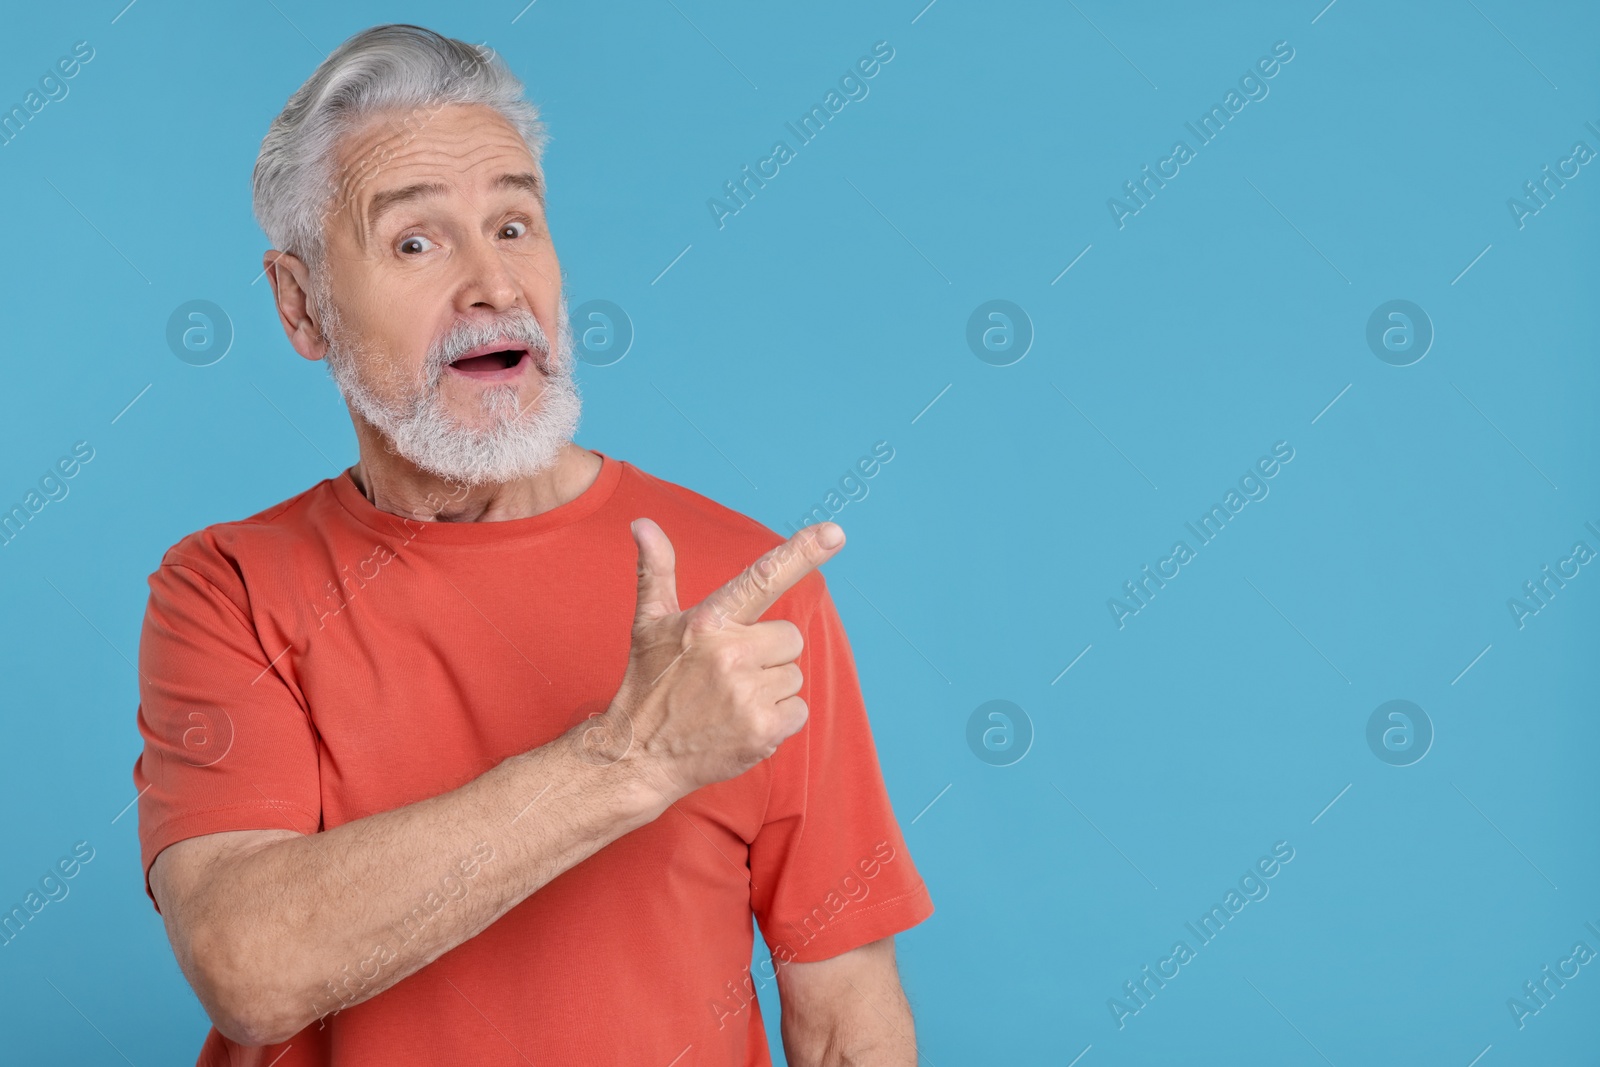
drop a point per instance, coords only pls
(227, 746)
(829, 868)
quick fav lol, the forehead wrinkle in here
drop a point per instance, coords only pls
(431, 149)
(385, 127)
(359, 150)
(463, 146)
(426, 157)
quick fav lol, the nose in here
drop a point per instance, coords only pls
(487, 279)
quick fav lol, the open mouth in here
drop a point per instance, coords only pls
(492, 364)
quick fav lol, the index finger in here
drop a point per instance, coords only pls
(744, 598)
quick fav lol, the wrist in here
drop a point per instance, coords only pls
(612, 766)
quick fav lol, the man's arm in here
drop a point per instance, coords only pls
(264, 922)
(275, 929)
(847, 1010)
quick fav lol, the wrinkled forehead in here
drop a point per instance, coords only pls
(467, 149)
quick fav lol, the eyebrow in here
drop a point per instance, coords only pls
(390, 198)
(524, 180)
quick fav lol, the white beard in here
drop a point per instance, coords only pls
(517, 442)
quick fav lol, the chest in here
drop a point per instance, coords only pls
(420, 677)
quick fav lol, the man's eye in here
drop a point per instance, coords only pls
(414, 245)
(514, 229)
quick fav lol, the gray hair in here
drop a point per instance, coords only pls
(379, 71)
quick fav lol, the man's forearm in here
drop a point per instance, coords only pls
(847, 1010)
(875, 1033)
(307, 925)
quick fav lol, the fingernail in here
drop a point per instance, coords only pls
(830, 536)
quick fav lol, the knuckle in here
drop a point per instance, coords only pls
(798, 713)
(726, 658)
(704, 619)
(686, 637)
(797, 637)
(767, 569)
(767, 730)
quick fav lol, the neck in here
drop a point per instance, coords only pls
(396, 485)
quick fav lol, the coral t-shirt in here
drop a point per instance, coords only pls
(325, 660)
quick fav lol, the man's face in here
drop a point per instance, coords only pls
(441, 296)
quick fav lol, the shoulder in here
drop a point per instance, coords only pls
(219, 553)
(697, 511)
(712, 541)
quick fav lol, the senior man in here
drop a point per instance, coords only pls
(488, 750)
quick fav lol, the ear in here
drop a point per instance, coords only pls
(291, 289)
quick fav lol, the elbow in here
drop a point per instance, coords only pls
(246, 1001)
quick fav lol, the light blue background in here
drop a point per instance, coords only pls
(826, 316)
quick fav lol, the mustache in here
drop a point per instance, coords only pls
(515, 326)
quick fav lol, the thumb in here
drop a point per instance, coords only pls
(658, 579)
